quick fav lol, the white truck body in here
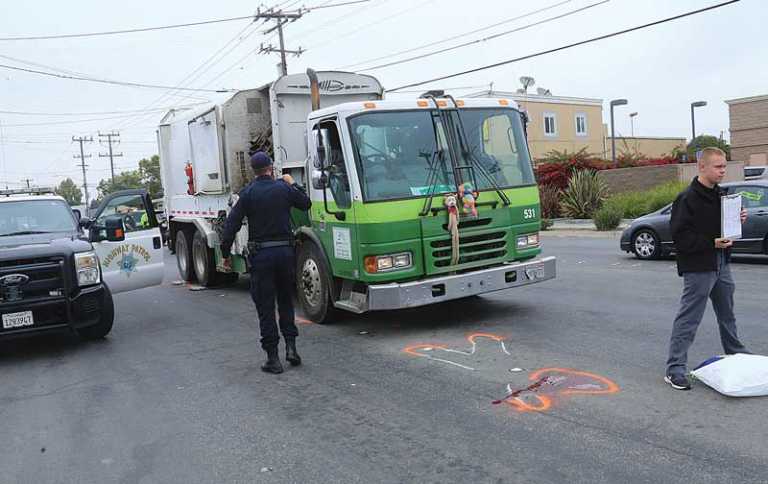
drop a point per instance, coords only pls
(217, 140)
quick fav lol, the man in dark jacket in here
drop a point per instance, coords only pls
(703, 258)
(267, 203)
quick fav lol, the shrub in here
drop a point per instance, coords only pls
(557, 167)
(585, 194)
(608, 218)
(637, 204)
(546, 224)
(550, 201)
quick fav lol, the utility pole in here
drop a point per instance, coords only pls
(282, 19)
(83, 156)
(111, 155)
(27, 180)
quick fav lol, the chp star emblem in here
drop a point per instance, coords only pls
(128, 264)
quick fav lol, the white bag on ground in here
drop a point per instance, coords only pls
(735, 375)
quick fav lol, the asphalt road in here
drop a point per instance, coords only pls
(175, 393)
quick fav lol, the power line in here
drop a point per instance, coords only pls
(126, 31)
(100, 113)
(438, 42)
(342, 4)
(337, 37)
(107, 81)
(565, 47)
(110, 155)
(485, 39)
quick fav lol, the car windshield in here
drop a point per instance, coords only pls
(35, 216)
(404, 154)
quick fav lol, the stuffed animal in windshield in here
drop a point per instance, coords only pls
(468, 198)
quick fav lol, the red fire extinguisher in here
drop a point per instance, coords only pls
(190, 179)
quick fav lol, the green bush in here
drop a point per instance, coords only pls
(585, 194)
(637, 204)
(608, 218)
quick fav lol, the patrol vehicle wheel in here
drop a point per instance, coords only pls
(104, 326)
(184, 255)
(203, 261)
(313, 291)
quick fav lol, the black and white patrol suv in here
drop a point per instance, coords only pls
(59, 271)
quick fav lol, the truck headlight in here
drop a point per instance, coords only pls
(528, 241)
(87, 267)
(387, 262)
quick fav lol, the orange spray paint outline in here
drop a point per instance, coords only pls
(544, 401)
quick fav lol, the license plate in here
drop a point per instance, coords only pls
(18, 320)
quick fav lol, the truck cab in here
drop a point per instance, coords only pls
(380, 175)
(58, 271)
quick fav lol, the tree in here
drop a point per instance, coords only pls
(71, 193)
(705, 141)
(146, 176)
(149, 169)
(123, 181)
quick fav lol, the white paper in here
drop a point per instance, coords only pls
(731, 216)
(342, 243)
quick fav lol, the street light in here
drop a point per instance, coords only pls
(697, 104)
(615, 102)
(632, 122)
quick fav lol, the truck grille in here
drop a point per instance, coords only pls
(475, 249)
(46, 279)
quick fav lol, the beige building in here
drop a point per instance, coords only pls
(558, 122)
(652, 147)
(749, 128)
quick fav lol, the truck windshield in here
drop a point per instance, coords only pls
(34, 217)
(496, 142)
(395, 151)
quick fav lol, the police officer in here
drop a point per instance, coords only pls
(267, 203)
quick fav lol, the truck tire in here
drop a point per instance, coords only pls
(312, 288)
(184, 255)
(104, 326)
(203, 262)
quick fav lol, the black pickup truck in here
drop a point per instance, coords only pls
(53, 274)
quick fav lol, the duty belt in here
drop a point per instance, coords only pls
(253, 247)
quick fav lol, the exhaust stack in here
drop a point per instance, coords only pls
(314, 89)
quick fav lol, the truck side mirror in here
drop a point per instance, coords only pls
(84, 222)
(115, 229)
(319, 179)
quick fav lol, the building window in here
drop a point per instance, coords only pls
(581, 124)
(550, 124)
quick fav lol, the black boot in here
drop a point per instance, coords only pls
(290, 353)
(272, 365)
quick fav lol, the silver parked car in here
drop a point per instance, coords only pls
(649, 236)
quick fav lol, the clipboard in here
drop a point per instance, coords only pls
(730, 216)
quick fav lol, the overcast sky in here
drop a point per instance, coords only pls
(712, 56)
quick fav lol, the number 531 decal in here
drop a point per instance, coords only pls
(529, 213)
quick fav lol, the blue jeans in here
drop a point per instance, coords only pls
(697, 288)
(273, 277)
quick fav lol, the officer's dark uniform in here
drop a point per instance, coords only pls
(267, 204)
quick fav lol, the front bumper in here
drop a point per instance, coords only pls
(52, 314)
(626, 242)
(446, 288)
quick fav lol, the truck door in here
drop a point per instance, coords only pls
(332, 211)
(137, 261)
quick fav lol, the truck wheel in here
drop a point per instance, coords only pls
(184, 255)
(203, 261)
(313, 291)
(104, 326)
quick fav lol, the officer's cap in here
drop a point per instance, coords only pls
(260, 160)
